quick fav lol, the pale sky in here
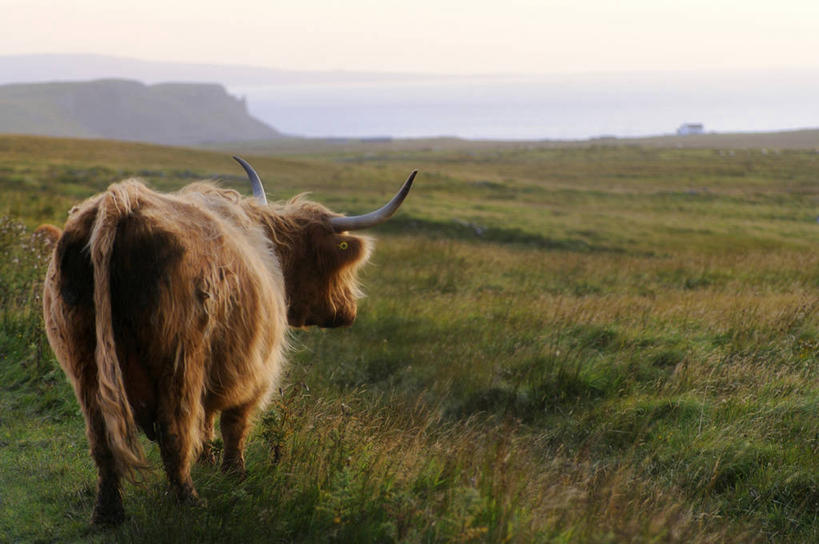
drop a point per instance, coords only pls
(444, 36)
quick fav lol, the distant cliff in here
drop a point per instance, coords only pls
(166, 113)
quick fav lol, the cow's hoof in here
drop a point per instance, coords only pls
(236, 471)
(235, 466)
(108, 516)
(187, 495)
(207, 457)
(192, 500)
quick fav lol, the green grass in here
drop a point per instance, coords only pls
(558, 345)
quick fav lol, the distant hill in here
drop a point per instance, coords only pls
(40, 68)
(806, 139)
(166, 113)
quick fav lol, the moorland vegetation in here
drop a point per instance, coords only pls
(586, 344)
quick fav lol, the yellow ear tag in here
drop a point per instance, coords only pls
(343, 244)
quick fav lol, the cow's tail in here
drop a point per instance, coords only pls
(120, 428)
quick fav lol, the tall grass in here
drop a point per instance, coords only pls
(28, 366)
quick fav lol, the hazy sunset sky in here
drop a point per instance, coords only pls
(445, 36)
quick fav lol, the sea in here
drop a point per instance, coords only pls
(575, 106)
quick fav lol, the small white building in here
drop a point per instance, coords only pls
(690, 128)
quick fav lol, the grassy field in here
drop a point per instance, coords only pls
(598, 344)
(727, 143)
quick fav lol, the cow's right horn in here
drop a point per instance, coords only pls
(255, 182)
(357, 222)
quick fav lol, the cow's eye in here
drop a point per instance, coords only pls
(343, 245)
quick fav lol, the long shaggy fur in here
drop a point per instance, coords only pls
(166, 309)
(120, 428)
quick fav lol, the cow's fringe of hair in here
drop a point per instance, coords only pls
(120, 428)
(285, 220)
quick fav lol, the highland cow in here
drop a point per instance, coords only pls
(165, 310)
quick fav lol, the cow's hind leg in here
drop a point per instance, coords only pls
(75, 350)
(180, 416)
(235, 423)
(176, 448)
(208, 455)
(108, 510)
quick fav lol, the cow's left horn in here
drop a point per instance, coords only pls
(377, 217)
(255, 182)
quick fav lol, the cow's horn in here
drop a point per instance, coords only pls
(255, 182)
(377, 217)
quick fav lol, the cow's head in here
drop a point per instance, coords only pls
(318, 255)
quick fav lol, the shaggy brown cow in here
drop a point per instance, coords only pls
(166, 309)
